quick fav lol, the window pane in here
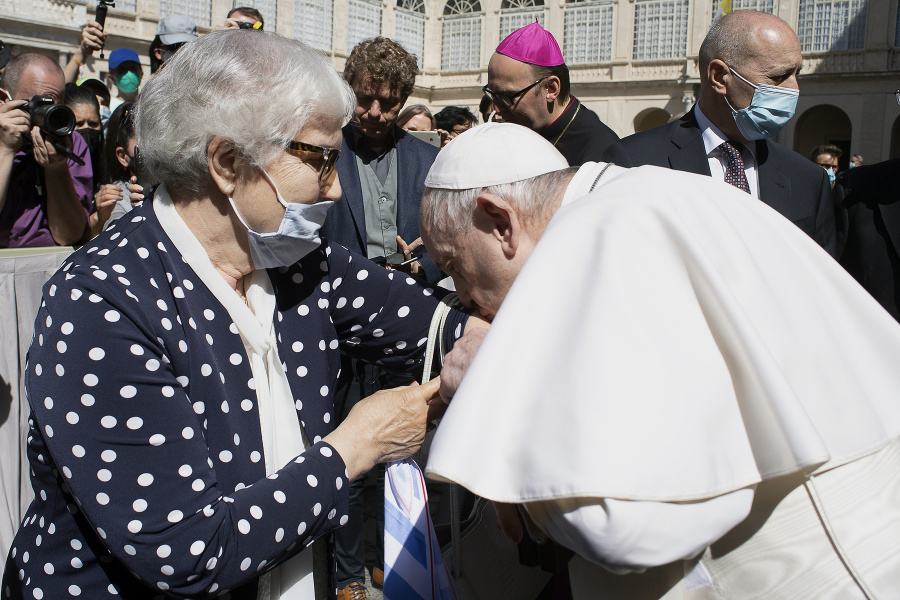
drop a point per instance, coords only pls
(588, 32)
(198, 11)
(312, 23)
(127, 5)
(409, 32)
(268, 8)
(660, 29)
(510, 20)
(364, 22)
(461, 47)
(832, 24)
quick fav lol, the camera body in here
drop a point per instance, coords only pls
(247, 25)
(52, 119)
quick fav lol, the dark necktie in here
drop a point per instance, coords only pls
(734, 169)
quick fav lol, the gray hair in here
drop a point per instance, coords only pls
(535, 199)
(254, 88)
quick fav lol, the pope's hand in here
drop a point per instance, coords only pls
(457, 361)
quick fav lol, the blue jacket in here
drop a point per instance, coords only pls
(346, 222)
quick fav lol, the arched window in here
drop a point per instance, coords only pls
(589, 32)
(198, 11)
(660, 29)
(409, 27)
(312, 23)
(461, 38)
(832, 24)
(363, 22)
(268, 9)
(515, 14)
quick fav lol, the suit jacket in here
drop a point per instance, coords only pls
(867, 208)
(788, 182)
(346, 221)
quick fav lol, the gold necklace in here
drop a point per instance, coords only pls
(575, 114)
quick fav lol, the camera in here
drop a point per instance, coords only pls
(248, 25)
(51, 118)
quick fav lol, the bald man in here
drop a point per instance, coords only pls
(749, 64)
(45, 198)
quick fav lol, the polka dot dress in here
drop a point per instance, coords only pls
(145, 445)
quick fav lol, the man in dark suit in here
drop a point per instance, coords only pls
(749, 63)
(382, 172)
(867, 203)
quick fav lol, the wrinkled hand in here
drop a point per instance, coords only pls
(510, 518)
(45, 154)
(388, 425)
(92, 38)
(457, 362)
(413, 268)
(14, 123)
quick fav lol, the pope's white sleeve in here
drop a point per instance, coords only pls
(625, 536)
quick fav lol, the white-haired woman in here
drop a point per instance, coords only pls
(182, 433)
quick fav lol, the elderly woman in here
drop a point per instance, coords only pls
(182, 432)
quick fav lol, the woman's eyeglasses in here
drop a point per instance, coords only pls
(329, 156)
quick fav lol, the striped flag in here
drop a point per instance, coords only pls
(413, 566)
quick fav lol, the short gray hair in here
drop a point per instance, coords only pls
(254, 88)
(452, 211)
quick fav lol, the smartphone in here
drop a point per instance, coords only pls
(432, 137)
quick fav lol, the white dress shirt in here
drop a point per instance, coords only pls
(712, 139)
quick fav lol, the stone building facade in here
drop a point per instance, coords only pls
(634, 62)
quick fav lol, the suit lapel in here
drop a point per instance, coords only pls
(774, 186)
(689, 153)
(348, 175)
(406, 204)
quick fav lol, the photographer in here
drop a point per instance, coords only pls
(45, 198)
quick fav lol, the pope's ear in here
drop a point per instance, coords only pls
(221, 159)
(501, 219)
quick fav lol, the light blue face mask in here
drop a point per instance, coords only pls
(769, 110)
(297, 236)
(831, 176)
(105, 114)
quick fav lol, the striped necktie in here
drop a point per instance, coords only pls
(414, 568)
(734, 170)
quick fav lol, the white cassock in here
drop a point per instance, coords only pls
(683, 387)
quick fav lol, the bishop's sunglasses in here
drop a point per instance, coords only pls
(508, 100)
(325, 166)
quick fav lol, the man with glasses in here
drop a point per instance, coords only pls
(528, 82)
(382, 172)
(749, 63)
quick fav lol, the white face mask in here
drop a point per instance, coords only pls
(297, 236)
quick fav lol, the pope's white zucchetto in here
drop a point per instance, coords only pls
(514, 153)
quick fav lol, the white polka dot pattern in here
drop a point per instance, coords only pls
(162, 457)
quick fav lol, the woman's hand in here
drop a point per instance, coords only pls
(106, 200)
(386, 426)
(135, 191)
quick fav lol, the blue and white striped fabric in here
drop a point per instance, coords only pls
(413, 566)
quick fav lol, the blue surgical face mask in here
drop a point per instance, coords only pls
(769, 110)
(831, 176)
(297, 236)
(105, 114)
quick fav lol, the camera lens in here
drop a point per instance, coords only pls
(57, 119)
